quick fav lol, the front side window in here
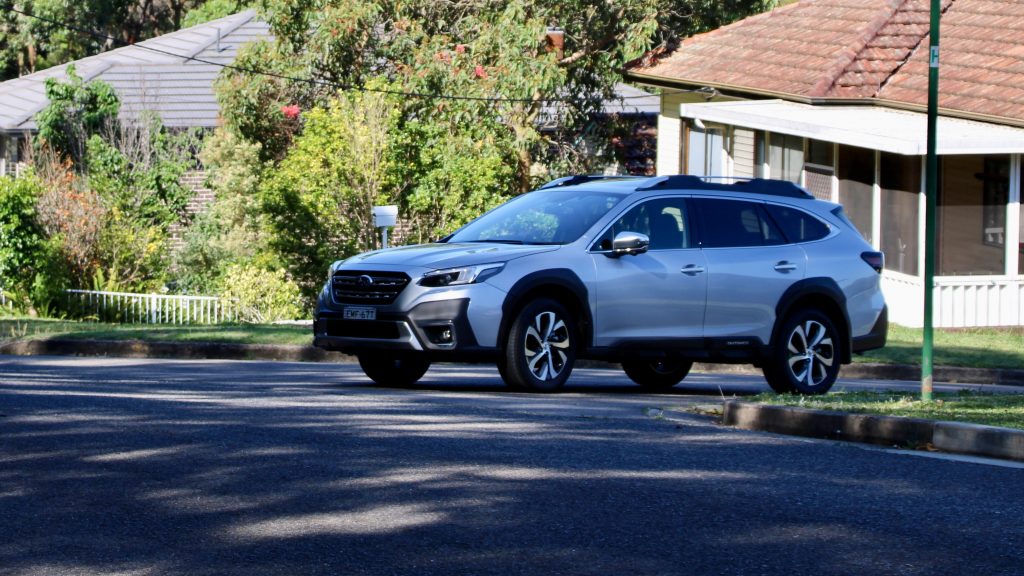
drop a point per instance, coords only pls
(663, 220)
(543, 217)
(736, 223)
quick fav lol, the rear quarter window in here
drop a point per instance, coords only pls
(797, 225)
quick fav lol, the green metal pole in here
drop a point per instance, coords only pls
(931, 190)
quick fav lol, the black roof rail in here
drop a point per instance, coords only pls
(578, 179)
(752, 185)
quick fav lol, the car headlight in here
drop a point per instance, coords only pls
(458, 276)
(332, 269)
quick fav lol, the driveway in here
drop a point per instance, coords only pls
(213, 467)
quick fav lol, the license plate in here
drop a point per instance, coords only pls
(354, 313)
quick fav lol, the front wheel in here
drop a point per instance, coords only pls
(541, 347)
(393, 370)
(656, 375)
(806, 357)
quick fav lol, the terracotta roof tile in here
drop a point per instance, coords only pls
(864, 49)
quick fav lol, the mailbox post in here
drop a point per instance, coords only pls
(383, 218)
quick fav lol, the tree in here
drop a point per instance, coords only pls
(496, 56)
(76, 111)
(318, 200)
(63, 31)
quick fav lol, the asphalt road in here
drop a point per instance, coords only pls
(211, 467)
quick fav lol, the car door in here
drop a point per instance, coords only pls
(750, 266)
(656, 296)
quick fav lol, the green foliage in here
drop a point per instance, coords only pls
(77, 110)
(30, 44)
(318, 200)
(231, 230)
(31, 267)
(456, 174)
(21, 236)
(212, 10)
(262, 295)
(251, 104)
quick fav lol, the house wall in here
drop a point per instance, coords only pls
(670, 134)
(743, 153)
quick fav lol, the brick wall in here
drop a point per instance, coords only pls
(201, 199)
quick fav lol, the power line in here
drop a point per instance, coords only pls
(313, 81)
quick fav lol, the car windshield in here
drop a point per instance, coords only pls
(543, 217)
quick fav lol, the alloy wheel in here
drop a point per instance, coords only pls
(811, 353)
(545, 343)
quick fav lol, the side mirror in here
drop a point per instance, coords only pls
(631, 243)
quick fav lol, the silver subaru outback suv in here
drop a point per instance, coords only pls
(653, 273)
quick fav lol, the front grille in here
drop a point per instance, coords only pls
(362, 329)
(356, 287)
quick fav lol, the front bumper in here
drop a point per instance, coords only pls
(439, 328)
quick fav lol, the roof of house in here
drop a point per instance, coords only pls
(171, 75)
(861, 49)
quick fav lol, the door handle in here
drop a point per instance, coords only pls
(692, 270)
(785, 266)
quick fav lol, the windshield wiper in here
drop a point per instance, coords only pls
(499, 241)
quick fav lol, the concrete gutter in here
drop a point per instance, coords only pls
(956, 437)
(296, 353)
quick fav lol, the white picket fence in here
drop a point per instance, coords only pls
(152, 308)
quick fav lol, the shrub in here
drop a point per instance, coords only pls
(262, 295)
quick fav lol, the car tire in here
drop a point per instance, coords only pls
(806, 356)
(393, 370)
(657, 375)
(541, 347)
(503, 372)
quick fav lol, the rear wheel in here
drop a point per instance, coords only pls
(657, 374)
(541, 347)
(398, 370)
(806, 357)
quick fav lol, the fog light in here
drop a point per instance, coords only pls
(440, 335)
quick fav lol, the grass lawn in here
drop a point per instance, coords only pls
(1005, 410)
(971, 347)
(32, 328)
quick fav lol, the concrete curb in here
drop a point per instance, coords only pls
(296, 353)
(956, 437)
(181, 350)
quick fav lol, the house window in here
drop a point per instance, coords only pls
(820, 153)
(856, 172)
(996, 194)
(786, 157)
(972, 214)
(900, 180)
(705, 151)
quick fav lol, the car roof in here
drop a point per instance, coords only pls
(681, 183)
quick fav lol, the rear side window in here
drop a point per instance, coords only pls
(735, 224)
(797, 225)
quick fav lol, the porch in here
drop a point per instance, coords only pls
(871, 160)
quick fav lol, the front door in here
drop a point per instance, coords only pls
(657, 296)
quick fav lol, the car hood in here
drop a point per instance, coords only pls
(438, 256)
